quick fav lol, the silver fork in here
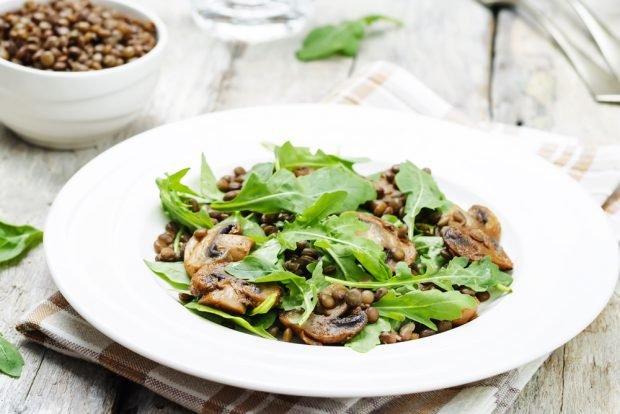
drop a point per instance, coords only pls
(604, 39)
(602, 84)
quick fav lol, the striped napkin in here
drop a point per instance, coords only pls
(54, 324)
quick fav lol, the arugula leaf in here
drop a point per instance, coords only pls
(172, 273)
(358, 189)
(264, 170)
(250, 227)
(260, 262)
(392, 220)
(282, 191)
(11, 361)
(370, 255)
(238, 320)
(346, 262)
(479, 276)
(328, 203)
(173, 193)
(290, 157)
(343, 39)
(279, 192)
(341, 230)
(264, 320)
(266, 305)
(208, 182)
(422, 192)
(422, 306)
(15, 241)
(368, 337)
(429, 252)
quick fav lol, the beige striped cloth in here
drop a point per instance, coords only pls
(54, 324)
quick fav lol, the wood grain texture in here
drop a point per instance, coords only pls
(447, 44)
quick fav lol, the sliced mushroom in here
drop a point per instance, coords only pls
(214, 287)
(386, 235)
(326, 329)
(222, 244)
(475, 234)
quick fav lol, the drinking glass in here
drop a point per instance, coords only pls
(252, 20)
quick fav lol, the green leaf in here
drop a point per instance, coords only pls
(173, 195)
(11, 361)
(345, 261)
(208, 182)
(260, 262)
(238, 320)
(479, 276)
(359, 190)
(392, 220)
(248, 225)
(422, 306)
(422, 192)
(280, 192)
(343, 39)
(263, 170)
(429, 252)
(264, 320)
(327, 204)
(15, 241)
(368, 337)
(290, 157)
(266, 305)
(172, 273)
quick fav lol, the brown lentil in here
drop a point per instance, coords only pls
(339, 292)
(327, 300)
(373, 315)
(368, 297)
(166, 238)
(167, 254)
(483, 296)
(398, 254)
(230, 195)
(427, 332)
(64, 35)
(329, 270)
(274, 330)
(287, 336)
(443, 326)
(388, 337)
(200, 233)
(185, 297)
(406, 331)
(353, 297)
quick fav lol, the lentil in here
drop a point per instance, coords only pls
(287, 336)
(373, 315)
(339, 292)
(483, 296)
(443, 326)
(64, 35)
(381, 292)
(327, 300)
(353, 297)
(388, 337)
(368, 297)
(406, 331)
(427, 332)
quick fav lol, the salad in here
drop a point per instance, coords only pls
(304, 249)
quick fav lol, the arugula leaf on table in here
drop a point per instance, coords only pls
(260, 262)
(291, 157)
(343, 39)
(15, 241)
(172, 273)
(238, 320)
(422, 306)
(368, 337)
(422, 192)
(208, 182)
(173, 195)
(11, 360)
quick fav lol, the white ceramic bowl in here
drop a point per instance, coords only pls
(68, 110)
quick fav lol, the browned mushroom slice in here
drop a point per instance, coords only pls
(214, 287)
(386, 235)
(222, 244)
(326, 329)
(475, 245)
(477, 217)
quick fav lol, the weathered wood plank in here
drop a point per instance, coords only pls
(446, 44)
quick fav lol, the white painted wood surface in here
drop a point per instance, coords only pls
(492, 67)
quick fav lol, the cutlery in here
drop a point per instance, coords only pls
(602, 84)
(604, 39)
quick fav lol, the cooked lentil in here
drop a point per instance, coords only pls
(73, 36)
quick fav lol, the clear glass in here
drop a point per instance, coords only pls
(252, 20)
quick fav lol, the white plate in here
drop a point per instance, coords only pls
(104, 221)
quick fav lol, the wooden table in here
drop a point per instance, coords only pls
(494, 67)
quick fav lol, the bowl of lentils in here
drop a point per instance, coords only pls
(74, 72)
